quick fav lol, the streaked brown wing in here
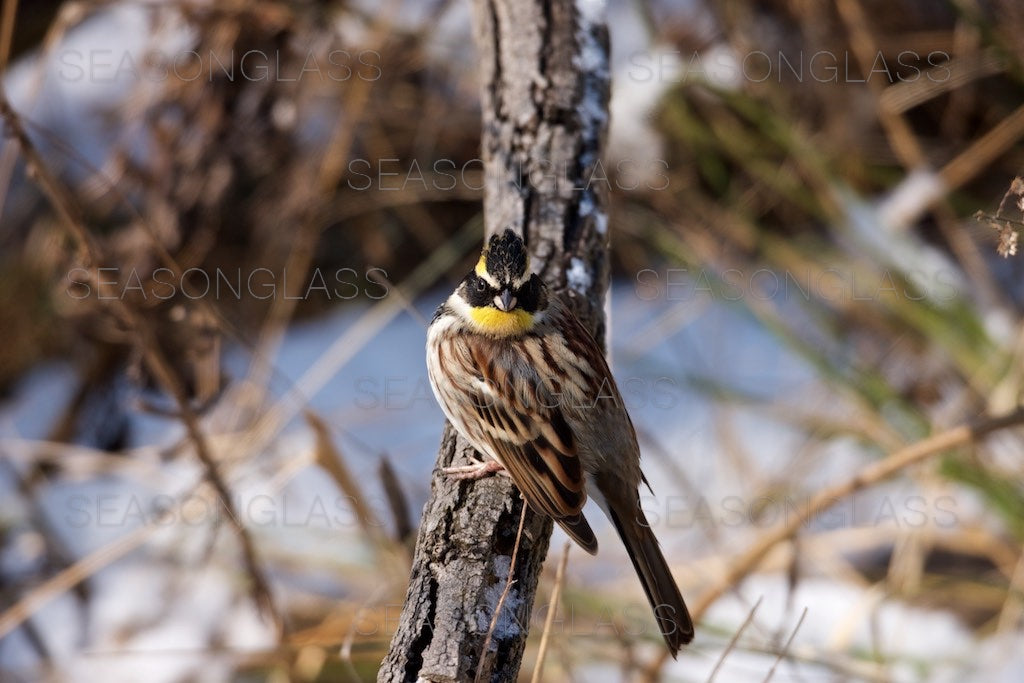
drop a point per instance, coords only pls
(523, 425)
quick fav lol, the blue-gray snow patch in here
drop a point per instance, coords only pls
(508, 625)
(588, 207)
(578, 276)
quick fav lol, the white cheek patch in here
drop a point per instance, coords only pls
(460, 306)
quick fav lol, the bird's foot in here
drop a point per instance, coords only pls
(478, 470)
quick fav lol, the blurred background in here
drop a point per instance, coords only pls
(814, 215)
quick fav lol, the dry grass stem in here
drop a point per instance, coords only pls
(1013, 607)
(785, 648)
(735, 638)
(90, 252)
(549, 620)
(746, 563)
(329, 458)
(509, 582)
(824, 499)
(980, 154)
(397, 501)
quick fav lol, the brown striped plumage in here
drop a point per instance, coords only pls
(526, 384)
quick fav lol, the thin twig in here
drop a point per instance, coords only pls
(865, 49)
(89, 253)
(329, 458)
(556, 592)
(71, 576)
(1013, 606)
(345, 651)
(59, 197)
(168, 379)
(826, 498)
(163, 256)
(823, 500)
(785, 648)
(983, 151)
(735, 638)
(83, 568)
(396, 499)
(357, 336)
(410, 307)
(504, 594)
(330, 171)
(10, 9)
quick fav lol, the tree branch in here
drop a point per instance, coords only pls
(544, 96)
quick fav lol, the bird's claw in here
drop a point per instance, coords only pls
(477, 470)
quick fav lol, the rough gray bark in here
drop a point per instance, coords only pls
(544, 89)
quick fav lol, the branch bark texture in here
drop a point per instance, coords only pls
(544, 94)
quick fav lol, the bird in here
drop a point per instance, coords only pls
(525, 383)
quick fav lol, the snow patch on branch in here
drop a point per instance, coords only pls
(592, 60)
(508, 625)
(589, 207)
(578, 276)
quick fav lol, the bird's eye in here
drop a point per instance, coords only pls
(481, 286)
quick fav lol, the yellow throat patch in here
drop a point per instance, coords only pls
(501, 323)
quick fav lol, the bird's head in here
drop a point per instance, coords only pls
(502, 297)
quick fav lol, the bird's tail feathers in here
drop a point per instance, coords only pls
(670, 611)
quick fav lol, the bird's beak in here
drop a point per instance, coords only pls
(505, 301)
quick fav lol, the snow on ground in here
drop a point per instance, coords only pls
(147, 622)
(134, 629)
